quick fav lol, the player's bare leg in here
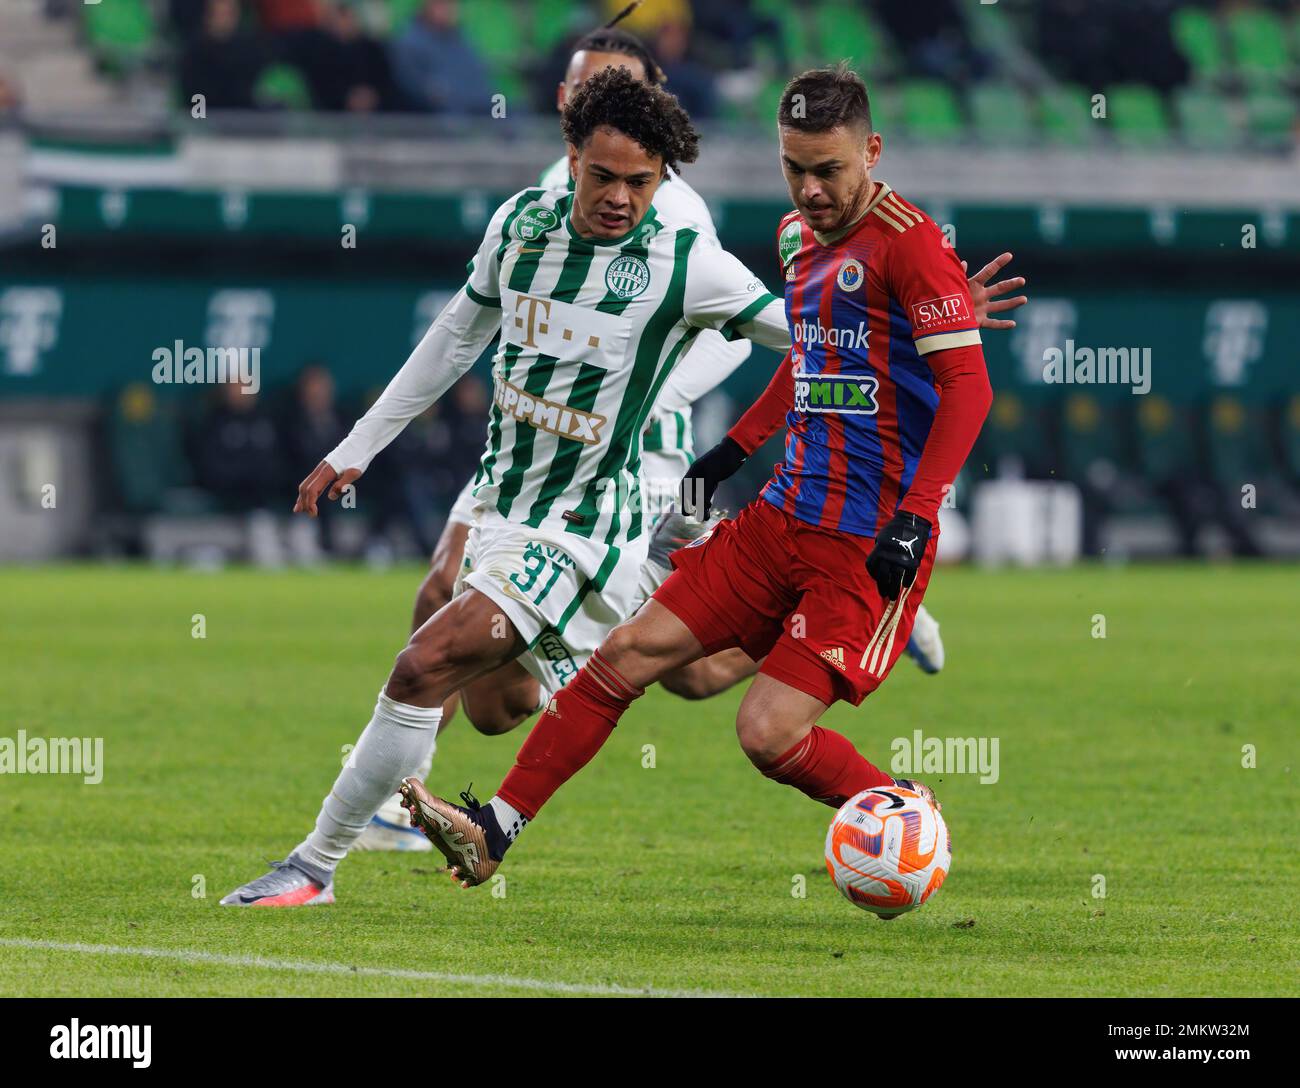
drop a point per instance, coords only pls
(710, 675)
(473, 839)
(390, 829)
(502, 700)
(464, 640)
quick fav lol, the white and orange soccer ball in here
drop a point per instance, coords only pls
(888, 850)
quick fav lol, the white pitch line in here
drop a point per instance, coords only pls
(189, 955)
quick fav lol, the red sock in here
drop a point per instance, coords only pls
(570, 731)
(826, 767)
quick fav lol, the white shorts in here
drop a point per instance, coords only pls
(562, 592)
(462, 510)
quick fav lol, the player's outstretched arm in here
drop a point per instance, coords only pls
(454, 341)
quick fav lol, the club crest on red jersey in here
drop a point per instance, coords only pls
(850, 275)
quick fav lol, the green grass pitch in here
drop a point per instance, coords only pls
(1120, 757)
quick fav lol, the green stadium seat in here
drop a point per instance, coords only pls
(1291, 437)
(1271, 118)
(1002, 116)
(1239, 443)
(120, 31)
(1136, 116)
(508, 82)
(145, 452)
(885, 109)
(493, 27)
(794, 33)
(401, 12)
(768, 99)
(553, 21)
(1259, 46)
(282, 86)
(1197, 35)
(846, 31)
(930, 111)
(1166, 439)
(1065, 114)
(1207, 119)
(1014, 431)
(1090, 433)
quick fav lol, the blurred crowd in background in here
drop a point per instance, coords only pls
(1200, 72)
(233, 451)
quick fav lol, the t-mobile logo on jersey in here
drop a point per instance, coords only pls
(572, 333)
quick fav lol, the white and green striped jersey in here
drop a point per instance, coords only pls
(712, 358)
(590, 332)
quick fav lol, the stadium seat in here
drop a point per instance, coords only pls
(1196, 33)
(121, 32)
(846, 31)
(401, 12)
(492, 26)
(930, 112)
(1239, 443)
(1271, 118)
(1291, 437)
(768, 99)
(1207, 119)
(1014, 432)
(1136, 116)
(144, 446)
(552, 22)
(1089, 434)
(282, 86)
(1259, 46)
(794, 33)
(1065, 115)
(1001, 114)
(1166, 439)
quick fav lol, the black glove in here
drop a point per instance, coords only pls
(895, 559)
(706, 472)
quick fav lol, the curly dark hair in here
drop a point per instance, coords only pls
(615, 98)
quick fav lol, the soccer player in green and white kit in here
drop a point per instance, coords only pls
(595, 298)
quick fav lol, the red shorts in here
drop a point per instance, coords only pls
(799, 596)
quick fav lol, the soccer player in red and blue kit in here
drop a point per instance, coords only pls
(889, 392)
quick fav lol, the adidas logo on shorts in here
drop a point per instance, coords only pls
(835, 657)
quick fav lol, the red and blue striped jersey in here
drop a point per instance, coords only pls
(865, 307)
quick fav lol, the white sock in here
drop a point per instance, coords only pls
(511, 820)
(392, 810)
(398, 741)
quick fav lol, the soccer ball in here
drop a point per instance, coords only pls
(888, 850)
